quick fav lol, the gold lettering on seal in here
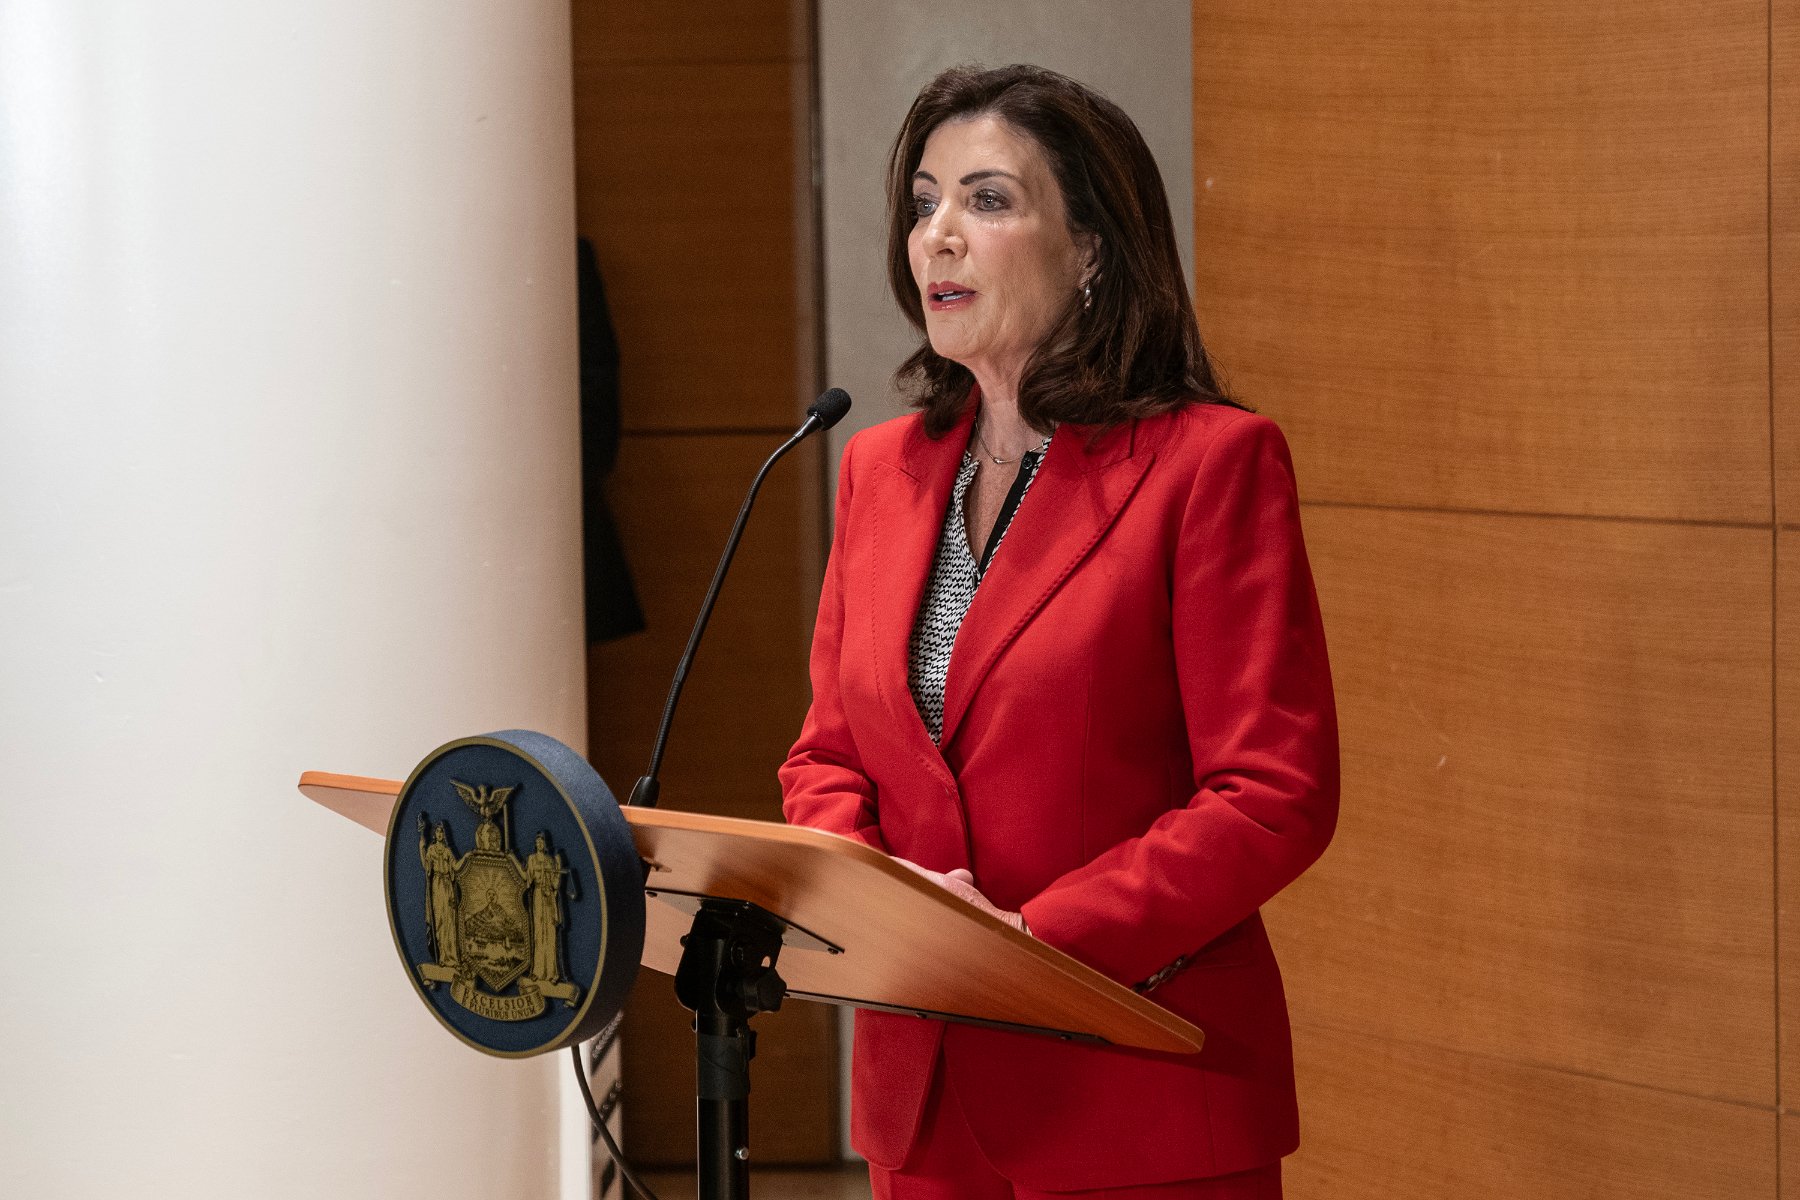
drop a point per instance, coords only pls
(522, 1007)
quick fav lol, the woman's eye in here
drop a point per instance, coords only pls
(988, 200)
(923, 206)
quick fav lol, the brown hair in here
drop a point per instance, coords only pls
(1137, 350)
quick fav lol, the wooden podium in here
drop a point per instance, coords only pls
(843, 924)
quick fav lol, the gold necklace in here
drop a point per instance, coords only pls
(998, 461)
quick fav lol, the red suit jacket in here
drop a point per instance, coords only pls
(1139, 749)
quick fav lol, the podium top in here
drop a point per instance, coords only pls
(864, 930)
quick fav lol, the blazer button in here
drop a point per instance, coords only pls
(1161, 977)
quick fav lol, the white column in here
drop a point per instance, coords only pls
(288, 479)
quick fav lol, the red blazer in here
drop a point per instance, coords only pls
(1139, 749)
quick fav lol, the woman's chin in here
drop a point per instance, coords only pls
(954, 349)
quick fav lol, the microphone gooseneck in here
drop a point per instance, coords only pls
(823, 413)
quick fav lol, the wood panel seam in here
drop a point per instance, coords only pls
(714, 431)
(785, 60)
(1769, 257)
(1775, 792)
(1531, 1064)
(1774, 556)
(1624, 518)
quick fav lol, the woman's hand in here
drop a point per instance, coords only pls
(961, 884)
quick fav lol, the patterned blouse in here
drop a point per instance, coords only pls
(954, 577)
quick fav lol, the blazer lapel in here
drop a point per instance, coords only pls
(1078, 493)
(911, 497)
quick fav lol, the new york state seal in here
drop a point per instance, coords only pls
(514, 892)
(494, 921)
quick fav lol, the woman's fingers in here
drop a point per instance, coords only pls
(967, 891)
(917, 869)
(961, 884)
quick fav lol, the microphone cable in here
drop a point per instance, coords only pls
(600, 1127)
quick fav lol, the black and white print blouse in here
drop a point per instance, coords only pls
(954, 577)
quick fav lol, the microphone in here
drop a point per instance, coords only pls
(828, 410)
(823, 413)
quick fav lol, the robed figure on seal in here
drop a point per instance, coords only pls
(440, 892)
(546, 872)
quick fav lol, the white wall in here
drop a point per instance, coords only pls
(287, 480)
(874, 58)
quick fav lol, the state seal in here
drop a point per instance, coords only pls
(514, 892)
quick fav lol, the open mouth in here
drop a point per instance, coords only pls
(947, 297)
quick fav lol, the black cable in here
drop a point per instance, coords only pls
(612, 1147)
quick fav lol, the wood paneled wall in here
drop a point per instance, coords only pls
(694, 181)
(1520, 283)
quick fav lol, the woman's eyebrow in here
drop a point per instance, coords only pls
(971, 177)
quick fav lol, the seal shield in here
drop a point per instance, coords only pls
(514, 893)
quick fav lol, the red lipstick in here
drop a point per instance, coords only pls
(946, 296)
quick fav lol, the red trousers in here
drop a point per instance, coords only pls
(947, 1164)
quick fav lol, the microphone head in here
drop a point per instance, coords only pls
(830, 408)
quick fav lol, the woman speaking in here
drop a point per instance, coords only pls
(1068, 662)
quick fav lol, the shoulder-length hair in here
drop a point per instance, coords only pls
(1136, 351)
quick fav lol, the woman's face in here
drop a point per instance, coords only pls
(991, 248)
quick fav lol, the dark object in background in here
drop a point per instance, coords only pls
(612, 603)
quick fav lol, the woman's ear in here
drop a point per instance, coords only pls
(1089, 246)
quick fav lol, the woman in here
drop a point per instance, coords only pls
(1068, 662)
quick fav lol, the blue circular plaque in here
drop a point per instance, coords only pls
(515, 893)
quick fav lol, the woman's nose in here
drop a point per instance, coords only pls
(942, 235)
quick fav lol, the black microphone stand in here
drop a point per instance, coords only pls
(727, 971)
(727, 975)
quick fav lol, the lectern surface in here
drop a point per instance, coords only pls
(866, 929)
